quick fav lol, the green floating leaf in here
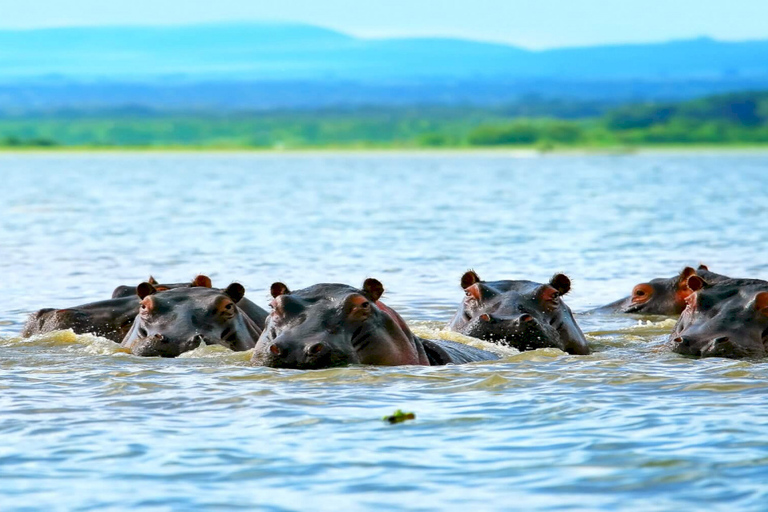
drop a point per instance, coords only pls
(399, 417)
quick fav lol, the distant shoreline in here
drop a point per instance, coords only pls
(516, 151)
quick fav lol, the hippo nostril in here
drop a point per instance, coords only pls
(678, 339)
(198, 338)
(275, 349)
(722, 339)
(159, 337)
(316, 348)
(485, 317)
(525, 318)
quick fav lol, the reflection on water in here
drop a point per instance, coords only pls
(86, 425)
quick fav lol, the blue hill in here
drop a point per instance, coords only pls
(268, 51)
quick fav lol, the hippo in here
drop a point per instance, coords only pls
(254, 312)
(660, 296)
(328, 325)
(520, 314)
(111, 319)
(130, 291)
(728, 318)
(181, 319)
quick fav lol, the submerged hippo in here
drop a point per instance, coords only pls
(130, 291)
(728, 318)
(660, 296)
(521, 314)
(329, 325)
(111, 319)
(178, 320)
(254, 312)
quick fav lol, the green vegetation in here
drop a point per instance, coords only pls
(734, 119)
(399, 417)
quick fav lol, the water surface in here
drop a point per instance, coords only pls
(85, 426)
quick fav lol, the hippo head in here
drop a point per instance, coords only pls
(329, 325)
(130, 291)
(181, 319)
(521, 314)
(728, 319)
(662, 296)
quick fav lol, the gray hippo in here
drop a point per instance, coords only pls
(329, 325)
(520, 314)
(130, 291)
(255, 312)
(727, 318)
(111, 319)
(660, 296)
(181, 319)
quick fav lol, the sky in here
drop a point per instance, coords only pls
(528, 23)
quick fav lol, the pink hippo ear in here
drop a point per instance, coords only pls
(201, 281)
(277, 289)
(682, 279)
(235, 291)
(469, 278)
(145, 289)
(761, 302)
(152, 280)
(373, 289)
(695, 283)
(561, 283)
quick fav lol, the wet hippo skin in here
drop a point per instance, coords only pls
(329, 325)
(520, 314)
(727, 318)
(178, 320)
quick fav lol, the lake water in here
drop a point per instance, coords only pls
(84, 426)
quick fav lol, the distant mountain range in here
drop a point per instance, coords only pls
(36, 66)
(301, 52)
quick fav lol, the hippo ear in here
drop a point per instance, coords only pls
(561, 283)
(277, 289)
(145, 289)
(695, 283)
(682, 280)
(469, 278)
(373, 289)
(761, 302)
(201, 281)
(152, 280)
(702, 267)
(235, 291)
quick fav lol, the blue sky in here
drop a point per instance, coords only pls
(529, 23)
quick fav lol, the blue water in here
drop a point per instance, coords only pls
(84, 426)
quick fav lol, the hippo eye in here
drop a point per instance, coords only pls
(639, 293)
(365, 305)
(229, 306)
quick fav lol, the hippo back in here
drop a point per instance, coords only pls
(442, 352)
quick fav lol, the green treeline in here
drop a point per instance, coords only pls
(733, 119)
